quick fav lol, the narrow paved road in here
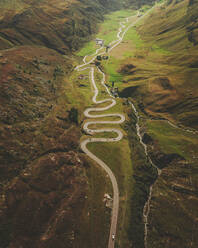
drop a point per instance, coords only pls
(87, 65)
(83, 144)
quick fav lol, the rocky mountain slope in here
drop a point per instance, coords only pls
(43, 179)
(39, 159)
(172, 75)
(60, 25)
(160, 76)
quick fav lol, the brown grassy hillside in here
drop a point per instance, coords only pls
(165, 58)
(39, 162)
(160, 74)
(43, 179)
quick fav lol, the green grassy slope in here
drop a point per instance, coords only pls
(163, 53)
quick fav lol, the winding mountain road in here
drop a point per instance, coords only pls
(87, 65)
(84, 143)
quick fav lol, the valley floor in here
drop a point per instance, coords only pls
(147, 73)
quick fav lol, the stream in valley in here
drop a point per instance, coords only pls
(146, 209)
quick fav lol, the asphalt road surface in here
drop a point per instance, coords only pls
(112, 101)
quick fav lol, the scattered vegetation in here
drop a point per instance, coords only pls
(42, 109)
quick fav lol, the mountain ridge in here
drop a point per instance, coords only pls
(59, 25)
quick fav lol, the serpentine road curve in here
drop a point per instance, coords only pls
(84, 143)
(112, 102)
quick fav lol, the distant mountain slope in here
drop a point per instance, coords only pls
(139, 3)
(169, 52)
(60, 25)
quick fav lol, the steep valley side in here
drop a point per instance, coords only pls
(157, 71)
(60, 25)
(45, 180)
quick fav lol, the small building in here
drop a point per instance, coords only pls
(108, 201)
(99, 42)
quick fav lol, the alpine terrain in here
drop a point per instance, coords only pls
(98, 123)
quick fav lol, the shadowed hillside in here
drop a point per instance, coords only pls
(138, 3)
